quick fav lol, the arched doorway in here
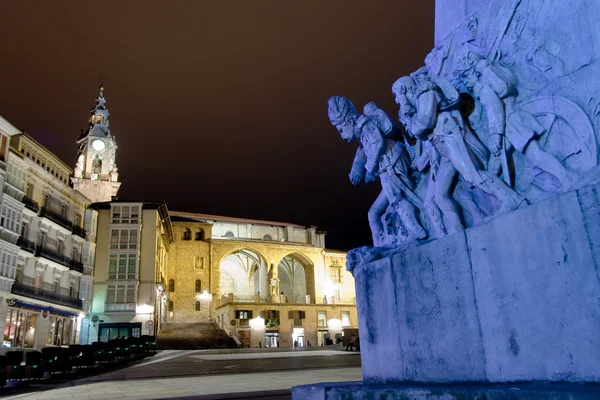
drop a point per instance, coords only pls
(296, 278)
(243, 274)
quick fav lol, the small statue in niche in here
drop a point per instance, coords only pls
(379, 156)
(96, 167)
(272, 282)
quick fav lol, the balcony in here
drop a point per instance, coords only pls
(45, 295)
(26, 245)
(30, 204)
(79, 231)
(57, 218)
(119, 307)
(77, 266)
(53, 255)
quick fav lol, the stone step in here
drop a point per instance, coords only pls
(192, 336)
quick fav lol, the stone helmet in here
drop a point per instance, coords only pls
(341, 110)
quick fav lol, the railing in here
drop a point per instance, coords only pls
(26, 245)
(46, 295)
(55, 217)
(31, 204)
(232, 332)
(119, 307)
(53, 256)
(76, 266)
(79, 231)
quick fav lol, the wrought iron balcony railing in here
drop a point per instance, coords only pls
(46, 295)
(53, 255)
(31, 204)
(26, 245)
(79, 231)
(77, 266)
(55, 217)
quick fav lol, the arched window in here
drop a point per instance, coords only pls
(171, 285)
(187, 234)
(229, 234)
(267, 237)
(197, 306)
(200, 234)
(170, 305)
(198, 286)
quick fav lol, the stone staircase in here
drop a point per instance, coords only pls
(194, 336)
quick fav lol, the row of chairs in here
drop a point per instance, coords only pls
(19, 365)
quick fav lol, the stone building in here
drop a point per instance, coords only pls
(263, 282)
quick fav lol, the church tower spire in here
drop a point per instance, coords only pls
(96, 174)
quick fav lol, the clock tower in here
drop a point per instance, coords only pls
(96, 175)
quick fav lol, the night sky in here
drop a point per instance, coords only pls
(217, 107)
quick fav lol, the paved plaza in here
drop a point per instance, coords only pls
(213, 374)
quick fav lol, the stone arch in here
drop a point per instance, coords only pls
(243, 273)
(296, 274)
(200, 234)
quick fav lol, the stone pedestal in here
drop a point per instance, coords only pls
(517, 299)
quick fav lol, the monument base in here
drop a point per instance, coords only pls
(516, 299)
(521, 391)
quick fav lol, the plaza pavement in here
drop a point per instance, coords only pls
(213, 374)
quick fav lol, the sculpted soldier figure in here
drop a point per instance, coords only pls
(495, 87)
(432, 114)
(383, 157)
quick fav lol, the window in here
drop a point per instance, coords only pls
(171, 285)
(322, 318)
(120, 294)
(197, 306)
(123, 239)
(345, 318)
(336, 295)
(10, 217)
(229, 234)
(16, 177)
(171, 305)
(77, 221)
(63, 210)
(72, 289)
(38, 278)
(243, 314)
(42, 239)
(125, 215)
(267, 238)
(336, 274)
(3, 147)
(200, 234)
(186, 234)
(122, 266)
(8, 264)
(198, 286)
(57, 285)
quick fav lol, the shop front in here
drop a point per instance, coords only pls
(32, 326)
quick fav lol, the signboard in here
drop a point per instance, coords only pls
(149, 323)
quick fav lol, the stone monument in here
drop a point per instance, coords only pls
(484, 280)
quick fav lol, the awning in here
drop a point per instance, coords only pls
(50, 310)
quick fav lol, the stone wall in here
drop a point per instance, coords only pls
(516, 299)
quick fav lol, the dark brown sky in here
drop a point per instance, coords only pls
(218, 107)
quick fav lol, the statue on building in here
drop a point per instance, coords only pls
(273, 289)
(379, 155)
(96, 167)
(78, 171)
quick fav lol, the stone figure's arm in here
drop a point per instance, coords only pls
(494, 110)
(424, 160)
(357, 173)
(377, 142)
(425, 120)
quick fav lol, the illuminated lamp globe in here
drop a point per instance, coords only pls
(98, 145)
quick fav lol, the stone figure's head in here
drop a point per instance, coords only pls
(343, 116)
(403, 90)
(465, 68)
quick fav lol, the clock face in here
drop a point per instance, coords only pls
(98, 145)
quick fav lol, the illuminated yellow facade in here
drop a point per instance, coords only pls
(263, 282)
